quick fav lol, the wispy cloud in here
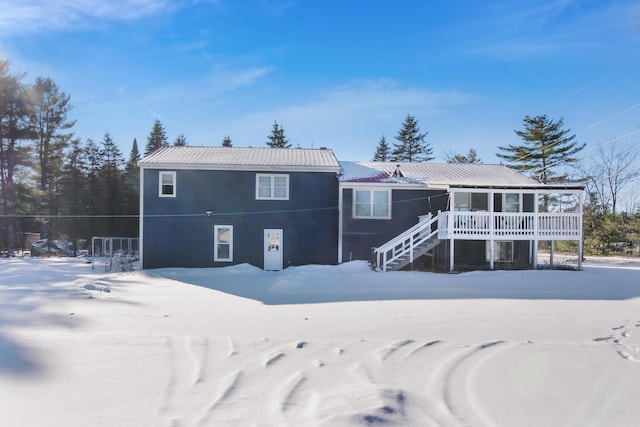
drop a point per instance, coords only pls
(39, 15)
(346, 115)
(551, 27)
(219, 81)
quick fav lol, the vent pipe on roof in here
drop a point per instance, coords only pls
(397, 173)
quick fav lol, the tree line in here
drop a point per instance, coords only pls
(58, 186)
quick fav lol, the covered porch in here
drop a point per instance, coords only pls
(499, 216)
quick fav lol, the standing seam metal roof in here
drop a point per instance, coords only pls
(212, 157)
(451, 174)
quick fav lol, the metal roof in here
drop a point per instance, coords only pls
(240, 158)
(439, 174)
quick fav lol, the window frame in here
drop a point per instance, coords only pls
(504, 202)
(173, 183)
(497, 250)
(216, 243)
(272, 186)
(372, 203)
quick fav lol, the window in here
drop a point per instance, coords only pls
(223, 245)
(502, 251)
(464, 201)
(372, 204)
(167, 184)
(272, 187)
(511, 202)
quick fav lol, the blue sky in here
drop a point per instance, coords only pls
(338, 74)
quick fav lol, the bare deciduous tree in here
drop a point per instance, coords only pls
(608, 170)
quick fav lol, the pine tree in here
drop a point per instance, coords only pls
(131, 170)
(14, 126)
(383, 152)
(546, 146)
(226, 142)
(411, 146)
(471, 158)
(49, 118)
(180, 141)
(277, 138)
(157, 138)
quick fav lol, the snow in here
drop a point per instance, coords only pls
(318, 346)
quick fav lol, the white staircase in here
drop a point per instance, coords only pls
(407, 247)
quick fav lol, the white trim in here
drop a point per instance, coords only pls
(340, 225)
(173, 175)
(272, 186)
(215, 243)
(371, 203)
(384, 185)
(243, 168)
(141, 220)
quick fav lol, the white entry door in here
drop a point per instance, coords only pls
(273, 249)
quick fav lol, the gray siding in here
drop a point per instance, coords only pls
(361, 235)
(178, 232)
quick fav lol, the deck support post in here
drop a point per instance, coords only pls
(451, 252)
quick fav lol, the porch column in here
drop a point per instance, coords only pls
(492, 226)
(580, 248)
(450, 229)
(451, 251)
(340, 199)
(536, 220)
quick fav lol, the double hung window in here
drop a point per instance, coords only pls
(272, 187)
(167, 184)
(223, 244)
(374, 204)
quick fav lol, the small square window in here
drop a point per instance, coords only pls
(167, 184)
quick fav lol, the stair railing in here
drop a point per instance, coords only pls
(405, 243)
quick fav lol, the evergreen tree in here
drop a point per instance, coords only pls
(50, 108)
(383, 152)
(74, 193)
(111, 186)
(180, 141)
(131, 170)
(226, 142)
(277, 138)
(471, 157)
(546, 146)
(131, 198)
(157, 138)
(14, 126)
(411, 146)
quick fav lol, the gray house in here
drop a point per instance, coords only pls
(219, 206)
(272, 208)
(458, 216)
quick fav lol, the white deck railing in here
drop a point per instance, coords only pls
(509, 226)
(405, 243)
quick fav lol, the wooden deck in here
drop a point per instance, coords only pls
(509, 226)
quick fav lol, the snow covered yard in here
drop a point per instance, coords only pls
(318, 345)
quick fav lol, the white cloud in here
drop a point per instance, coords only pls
(39, 15)
(219, 81)
(349, 117)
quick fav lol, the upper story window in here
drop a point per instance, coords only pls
(475, 202)
(511, 202)
(167, 184)
(374, 204)
(272, 187)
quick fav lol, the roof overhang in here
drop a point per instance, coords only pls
(252, 168)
